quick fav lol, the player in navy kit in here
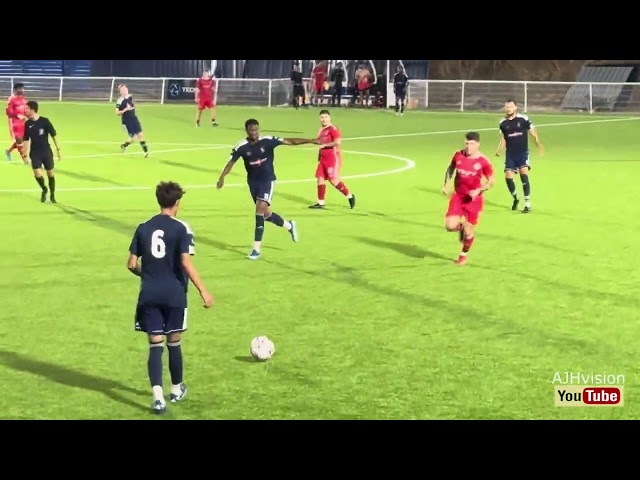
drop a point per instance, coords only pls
(515, 129)
(160, 253)
(127, 110)
(258, 155)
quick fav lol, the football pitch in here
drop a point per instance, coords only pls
(370, 317)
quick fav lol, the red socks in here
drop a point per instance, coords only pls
(342, 188)
(466, 244)
(322, 192)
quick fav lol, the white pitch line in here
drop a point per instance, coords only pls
(408, 165)
(140, 153)
(395, 135)
(445, 132)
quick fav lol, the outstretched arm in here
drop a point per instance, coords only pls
(299, 141)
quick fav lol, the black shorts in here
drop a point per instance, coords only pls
(42, 159)
(298, 91)
(401, 95)
(154, 319)
(132, 126)
(515, 161)
(262, 190)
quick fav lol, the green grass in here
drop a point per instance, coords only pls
(370, 317)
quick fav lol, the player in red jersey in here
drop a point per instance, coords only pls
(319, 76)
(466, 203)
(16, 114)
(330, 161)
(206, 93)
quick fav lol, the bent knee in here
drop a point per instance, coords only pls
(509, 174)
(452, 224)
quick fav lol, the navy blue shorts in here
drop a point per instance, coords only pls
(401, 95)
(515, 161)
(262, 190)
(133, 127)
(160, 319)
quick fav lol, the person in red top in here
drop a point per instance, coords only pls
(206, 92)
(319, 76)
(330, 161)
(466, 203)
(16, 114)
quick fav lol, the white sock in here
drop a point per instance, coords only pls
(256, 246)
(287, 225)
(158, 394)
(320, 202)
(176, 390)
(350, 195)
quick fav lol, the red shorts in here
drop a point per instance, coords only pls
(328, 169)
(206, 103)
(16, 129)
(463, 206)
(363, 85)
(318, 85)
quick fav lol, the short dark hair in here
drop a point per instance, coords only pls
(472, 136)
(511, 100)
(33, 105)
(324, 112)
(206, 71)
(250, 123)
(17, 86)
(168, 194)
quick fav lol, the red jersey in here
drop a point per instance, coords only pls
(319, 74)
(469, 172)
(206, 88)
(16, 106)
(326, 135)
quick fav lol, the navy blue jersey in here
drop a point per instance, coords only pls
(122, 103)
(160, 242)
(400, 81)
(258, 158)
(516, 133)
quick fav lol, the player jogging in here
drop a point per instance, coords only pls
(258, 154)
(329, 162)
(400, 87)
(127, 110)
(37, 131)
(16, 114)
(466, 203)
(160, 253)
(206, 97)
(515, 129)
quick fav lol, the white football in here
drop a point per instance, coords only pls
(262, 348)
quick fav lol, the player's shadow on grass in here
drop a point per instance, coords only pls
(294, 198)
(188, 166)
(71, 378)
(97, 219)
(89, 177)
(402, 248)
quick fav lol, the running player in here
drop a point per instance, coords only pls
(466, 203)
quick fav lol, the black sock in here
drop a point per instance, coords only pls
(401, 107)
(259, 228)
(526, 186)
(275, 219)
(143, 144)
(52, 185)
(40, 181)
(511, 185)
(125, 145)
(175, 362)
(154, 365)
(397, 106)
